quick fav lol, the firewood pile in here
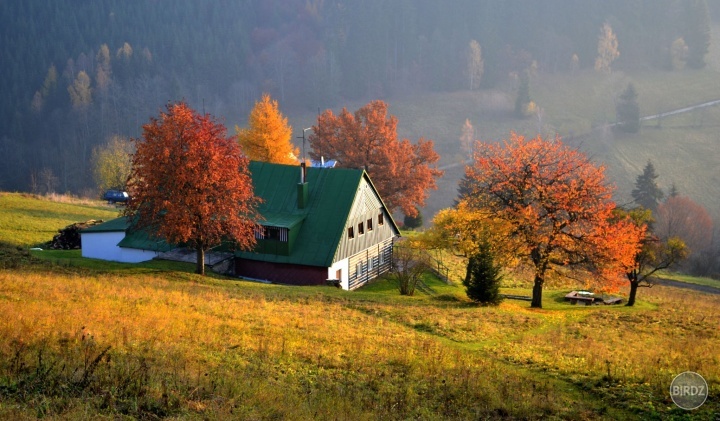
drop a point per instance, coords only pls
(68, 238)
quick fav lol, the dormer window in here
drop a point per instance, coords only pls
(271, 233)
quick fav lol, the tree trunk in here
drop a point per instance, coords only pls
(537, 292)
(633, 292)
(200, 268)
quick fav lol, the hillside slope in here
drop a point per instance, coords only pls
(90, 339)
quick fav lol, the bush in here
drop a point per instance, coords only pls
(482, 282)
(413, 222)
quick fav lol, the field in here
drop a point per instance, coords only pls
(87, 339)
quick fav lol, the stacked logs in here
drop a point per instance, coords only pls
(68, 238)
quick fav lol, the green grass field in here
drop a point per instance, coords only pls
(27, 222)
(89, 339)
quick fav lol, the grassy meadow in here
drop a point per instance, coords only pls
(83, 339)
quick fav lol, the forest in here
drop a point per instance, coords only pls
(75, 74)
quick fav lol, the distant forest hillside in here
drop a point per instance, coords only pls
(76, 72)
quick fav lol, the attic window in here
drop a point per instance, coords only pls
(369, 224)
(361, 229)
(351, 233)
(381, 219)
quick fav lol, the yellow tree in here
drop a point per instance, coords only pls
(267, 137)
(80, 91)
(607, 49)
(112, 163)
(475, 66)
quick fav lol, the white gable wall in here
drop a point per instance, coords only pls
(343, 267)
(104, 246)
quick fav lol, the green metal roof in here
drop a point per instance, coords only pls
(113, 225)
(331, 195)
(280, 220)
(139, 239)
(135, 239)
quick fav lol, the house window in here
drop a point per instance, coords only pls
(361, 229)
(381, 219)
(369, 224)
(351, 233)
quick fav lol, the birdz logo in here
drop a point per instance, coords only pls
(689, 390)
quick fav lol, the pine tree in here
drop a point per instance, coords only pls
(482, 281)
(647, 193)
(628, 110)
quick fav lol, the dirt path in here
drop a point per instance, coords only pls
(685, 285)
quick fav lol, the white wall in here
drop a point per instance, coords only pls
(103, 245)
(342, 265)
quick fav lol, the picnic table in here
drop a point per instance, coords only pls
(588, 298)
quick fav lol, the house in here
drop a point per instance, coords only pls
(318, 224)
(111, 241)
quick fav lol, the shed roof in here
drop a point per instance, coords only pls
(136, 239)
(330, 197)
(113, 225)
(140, 239)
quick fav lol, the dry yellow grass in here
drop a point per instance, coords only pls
(198, 348)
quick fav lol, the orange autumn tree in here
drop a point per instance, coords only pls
(267, 137)
(653, 255)
(190, 183)
(557, 206)
(401, 171)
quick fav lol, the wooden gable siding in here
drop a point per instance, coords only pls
(366, 206)
(369, 264)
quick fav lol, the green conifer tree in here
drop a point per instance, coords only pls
(628, 110)
(646, 192)
(482, 281)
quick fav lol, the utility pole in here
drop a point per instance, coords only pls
(303, 138)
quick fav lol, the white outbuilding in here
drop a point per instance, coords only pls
(111, 241)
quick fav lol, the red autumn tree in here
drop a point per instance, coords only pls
(557, 206)
(190, 183)
(402, 172)
(682, 217)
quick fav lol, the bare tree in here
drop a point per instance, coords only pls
(409, 264)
